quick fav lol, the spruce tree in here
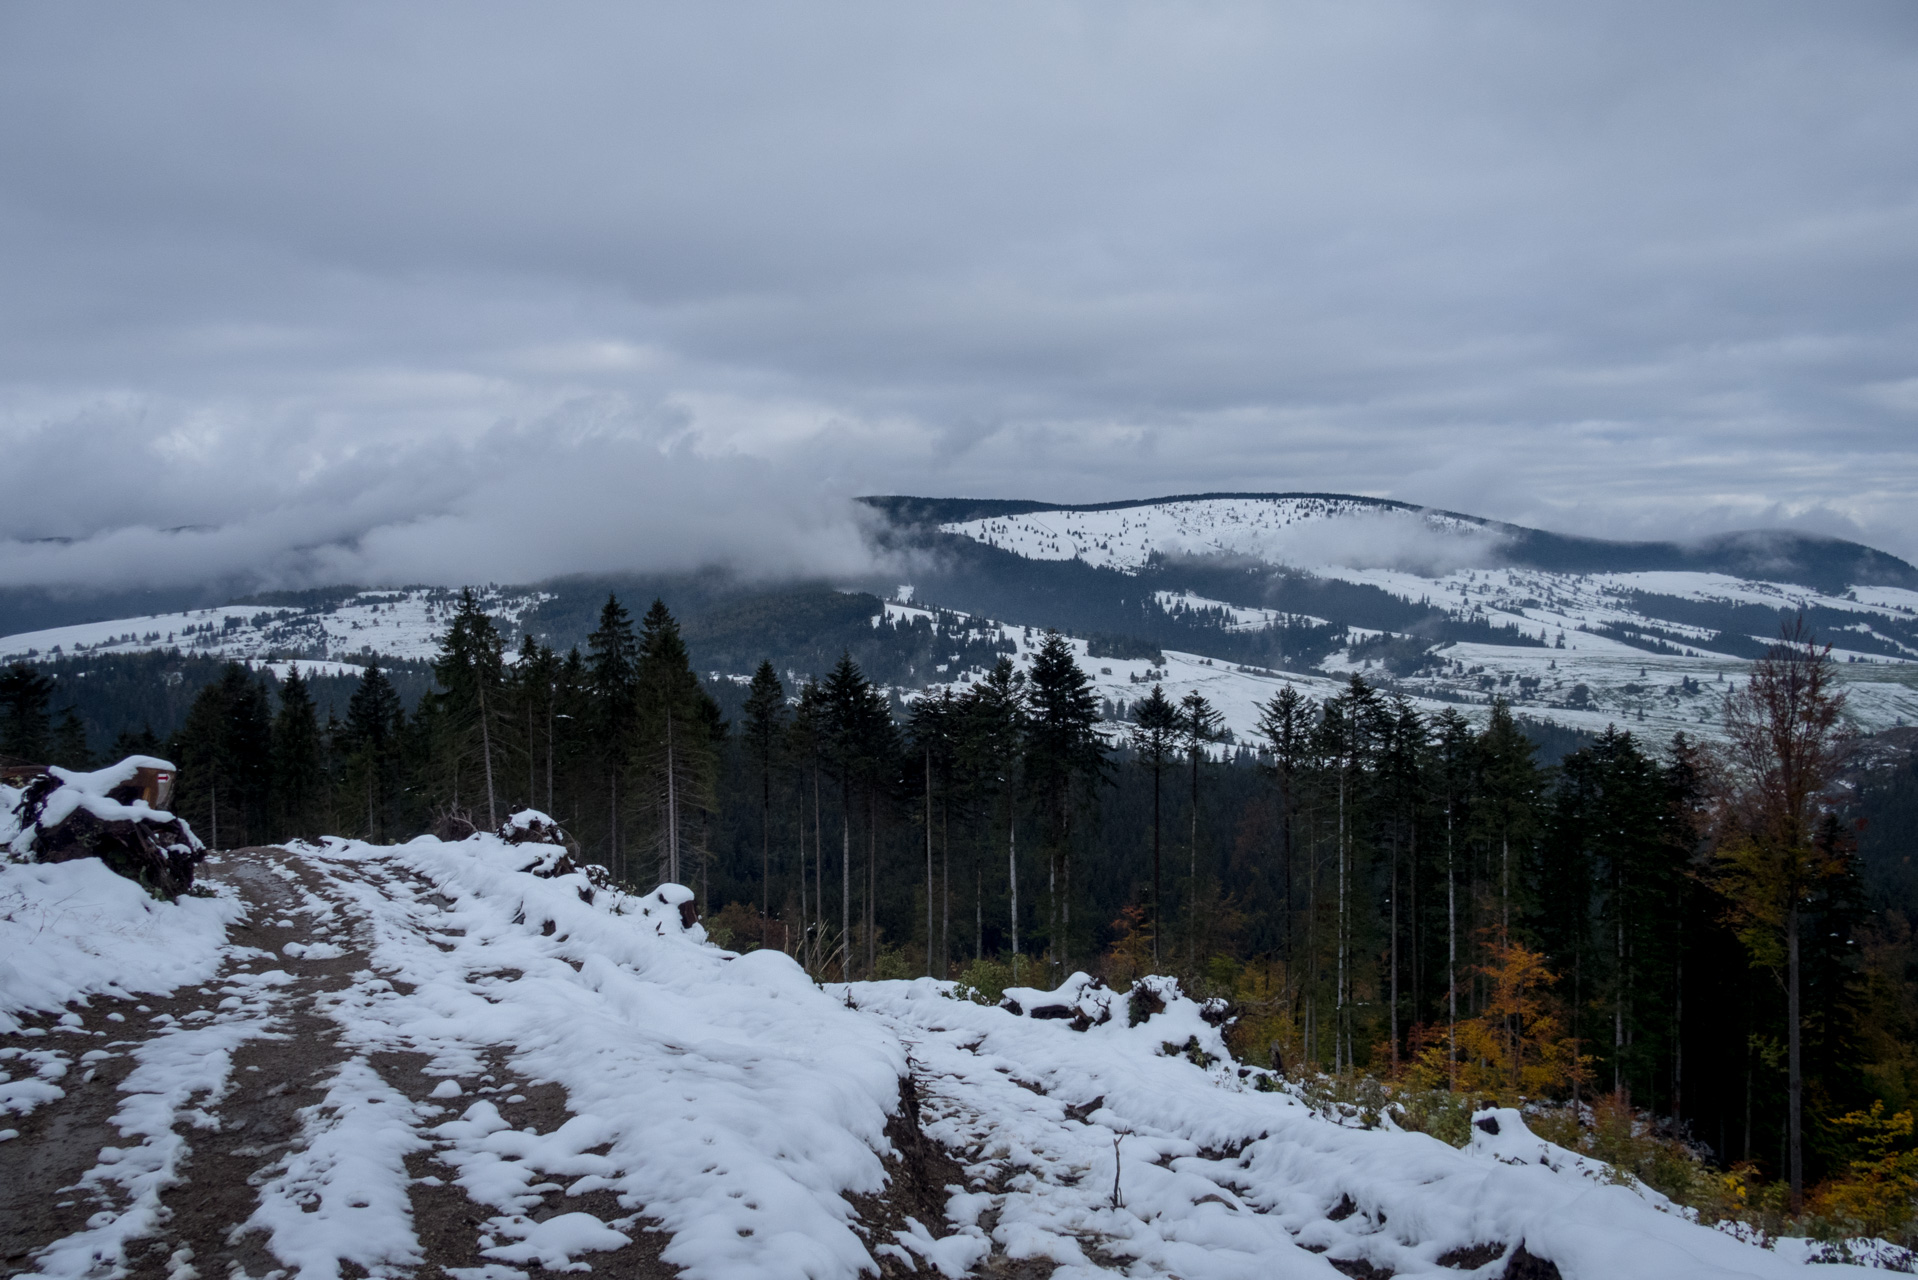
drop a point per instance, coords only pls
(534, 694)
(469, 668)
(808, 746)
(1286, 723)
(843, 697)
(1510, 788)
(765, 719)
(297, 767)
(612, 707)
(861, 749)
(1402, 765)
(26, 727)
(1063, 747)
(571, 721)
(70, 748)
(1350, 733)
(1455, 770)
(371, 746)
(224, 751)
(997, 718)
(1199, 727)
(1155, 735)
(675, 726)
(140, 742)
(934, 730)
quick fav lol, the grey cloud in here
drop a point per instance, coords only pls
(483, 290)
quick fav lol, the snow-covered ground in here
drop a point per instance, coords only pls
(401, 623)
(1621, 683)
(1236, 694)
(1279, 530)
(423, 999)
(1439, 560)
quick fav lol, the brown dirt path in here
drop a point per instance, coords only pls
(280, 1071)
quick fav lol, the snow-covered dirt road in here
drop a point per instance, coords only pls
(472, 1060)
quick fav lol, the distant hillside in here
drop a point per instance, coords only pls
(1231, 594)
(1828, 564)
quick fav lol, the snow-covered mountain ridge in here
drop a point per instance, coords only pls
(1453, 618)
(1755, 553)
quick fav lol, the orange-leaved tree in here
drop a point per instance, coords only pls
(1778, 844)
(1133, 946)
(1516, 1047)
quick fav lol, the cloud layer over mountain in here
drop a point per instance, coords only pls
(496, 291)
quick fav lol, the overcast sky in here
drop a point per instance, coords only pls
(382, 292)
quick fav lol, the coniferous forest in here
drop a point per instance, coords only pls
(1701, 950)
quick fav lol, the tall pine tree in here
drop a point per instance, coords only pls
(298, 771)
(1155, 736)
(675, 725)
(470, 668)
(611, 689)
(764, 725)
(1063, 750)
(26, 728)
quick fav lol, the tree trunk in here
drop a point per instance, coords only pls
(1192, 873)
(1065, 897)
(1338, 944)
(872, 880)
(929, 934)
(765, 846)
(805, 916)
(1504, 887)
(1012, 879)
(1618, 1012)
(1678, 1037)
(845, 883)
(945, 883)
(1451, 950)
(672, 804)
(1158, 897)
(486, 750)
(1796, 1083)
(1395, 952)
(1285, 852)
(818, 858)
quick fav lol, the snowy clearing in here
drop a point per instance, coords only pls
(426, 1059)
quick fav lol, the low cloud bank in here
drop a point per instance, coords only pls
(514, 505)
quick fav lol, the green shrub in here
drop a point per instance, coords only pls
(984, 981)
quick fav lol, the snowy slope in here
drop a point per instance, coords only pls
(1277, 530)
(1616, 647)
(1236, 693)
(402, 623)
(416, 996)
